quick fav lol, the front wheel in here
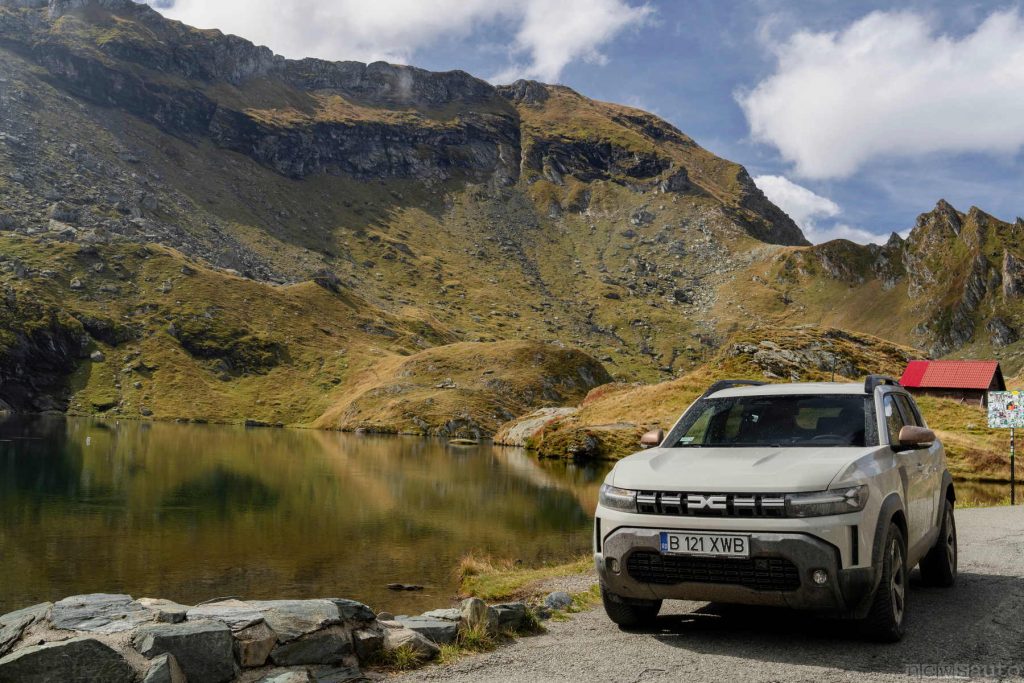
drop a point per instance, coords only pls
(938, 568)
(631, 614)
(884, 622)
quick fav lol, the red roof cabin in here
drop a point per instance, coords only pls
(967, 381)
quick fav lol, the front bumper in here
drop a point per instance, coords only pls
(791, 556)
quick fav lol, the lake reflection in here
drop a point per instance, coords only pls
(192, 512)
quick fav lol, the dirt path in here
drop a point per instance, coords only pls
(978, 627)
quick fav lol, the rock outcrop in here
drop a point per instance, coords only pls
(957, 275)
(317, 641)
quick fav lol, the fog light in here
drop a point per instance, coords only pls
(613, 565)
(820, 577)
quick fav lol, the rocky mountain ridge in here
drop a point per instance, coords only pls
(953, 285)
(434, 208)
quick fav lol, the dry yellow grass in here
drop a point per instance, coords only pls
(490, 579)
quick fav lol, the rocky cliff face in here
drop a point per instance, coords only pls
(305, 117)
(39, 349)
(953, 285)
(521, 212)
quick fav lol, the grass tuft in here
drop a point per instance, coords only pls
(403, 658)
(490, 579)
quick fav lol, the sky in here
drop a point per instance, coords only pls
(853, 116)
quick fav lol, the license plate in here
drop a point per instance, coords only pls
(716, 545)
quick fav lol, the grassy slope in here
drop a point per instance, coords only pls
(198, 343)
(613, 417)
(465, 389)
(489, 264)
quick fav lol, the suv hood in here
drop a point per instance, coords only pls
(734, 470)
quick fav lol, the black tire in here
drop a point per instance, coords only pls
(939, 566)
(885, 621)
(632, 614)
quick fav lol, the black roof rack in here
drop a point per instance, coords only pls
(874, 381)
(729, 384)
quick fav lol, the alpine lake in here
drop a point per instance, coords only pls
(195, 512)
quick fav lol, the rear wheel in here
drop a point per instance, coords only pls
(629, 612)
(938, 568)
(885, 620)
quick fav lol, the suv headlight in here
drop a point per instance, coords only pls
(821, 503)
(617, 499)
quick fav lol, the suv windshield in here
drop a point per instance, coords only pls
(775, 421)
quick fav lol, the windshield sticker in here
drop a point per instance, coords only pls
(686, 439)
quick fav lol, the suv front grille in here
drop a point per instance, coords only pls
(759, 573)
(710, 505)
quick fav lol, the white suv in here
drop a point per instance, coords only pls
(814, 496)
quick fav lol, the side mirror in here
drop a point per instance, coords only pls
(652, 438)
(915, 437)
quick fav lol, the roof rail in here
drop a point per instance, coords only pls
(729, 384)
(874, 381)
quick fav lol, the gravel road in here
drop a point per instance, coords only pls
(974, 630)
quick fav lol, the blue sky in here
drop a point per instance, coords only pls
(852, 116)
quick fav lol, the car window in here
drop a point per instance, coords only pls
(893, 419)
(916, 412)
(909, 414)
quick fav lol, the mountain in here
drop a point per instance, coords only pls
(193, 227)
(955, 285)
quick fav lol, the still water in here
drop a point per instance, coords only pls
(193, 512)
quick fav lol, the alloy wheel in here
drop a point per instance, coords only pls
(951, 540)
(897, 582)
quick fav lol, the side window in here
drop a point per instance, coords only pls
(893, 418)
(908, 412)
(916, 412)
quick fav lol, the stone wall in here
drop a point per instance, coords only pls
(115, 638)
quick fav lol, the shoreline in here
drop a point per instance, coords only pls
(116, 638)
(251, 424)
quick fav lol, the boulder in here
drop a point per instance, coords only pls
(164, 669)
(367, 643)
(473, 612)
(254, 643)
(396, 636)
(204, 649)
(76, 659)
(63, 213)
(329, 646)
(12, 625)
(99, 613)
(558, 600)
(97, 357)
(235, 613)
(438, 630)
(350, 610)
(166, 611)
(293, 618)
(450, 614)
(512, 616)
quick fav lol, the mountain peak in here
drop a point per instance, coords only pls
(525, 92)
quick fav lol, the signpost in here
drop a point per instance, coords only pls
(1006, 411)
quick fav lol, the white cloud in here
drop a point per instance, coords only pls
(890, 86)
(557, 33)
(550, 36)
(808, 210)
